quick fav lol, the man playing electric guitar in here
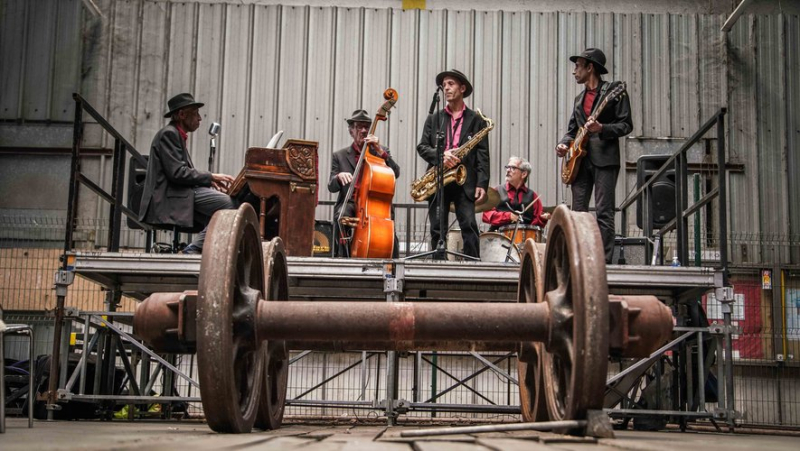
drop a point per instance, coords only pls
(599, 170)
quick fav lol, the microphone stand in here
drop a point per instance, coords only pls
(213, 131)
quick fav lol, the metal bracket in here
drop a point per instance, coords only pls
(392, 285)
(724, 294)
(63, 279)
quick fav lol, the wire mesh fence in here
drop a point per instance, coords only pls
(766, 347)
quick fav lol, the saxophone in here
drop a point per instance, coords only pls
(425, 186)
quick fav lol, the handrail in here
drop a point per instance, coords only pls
(679, 161)
(108, 127)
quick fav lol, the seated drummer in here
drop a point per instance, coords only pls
(514, 197)
(175, 192)
(343, 166)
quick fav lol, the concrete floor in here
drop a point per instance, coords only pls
(195, 436)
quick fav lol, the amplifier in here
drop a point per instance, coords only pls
(323, 239)
(634, 250)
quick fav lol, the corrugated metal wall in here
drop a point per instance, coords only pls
(264, 68)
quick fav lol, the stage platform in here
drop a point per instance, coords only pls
(323, 279)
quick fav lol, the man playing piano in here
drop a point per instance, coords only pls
(175, 192)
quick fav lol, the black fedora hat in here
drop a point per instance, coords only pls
(595, 56)
(458, 75)
(359, 116)
(180, 101)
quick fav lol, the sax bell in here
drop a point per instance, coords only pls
(458, 174)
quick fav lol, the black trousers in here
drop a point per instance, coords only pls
(465, 213)
(604, 182)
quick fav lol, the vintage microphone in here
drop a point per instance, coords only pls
(213, 130)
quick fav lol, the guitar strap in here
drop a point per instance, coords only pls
(603, 91)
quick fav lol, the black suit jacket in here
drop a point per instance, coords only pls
(476, 161)
(603, 147)
(168, 197)
(344, 160)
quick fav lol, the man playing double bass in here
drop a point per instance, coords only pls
(599, 170)
(459, 124)
(343, 166)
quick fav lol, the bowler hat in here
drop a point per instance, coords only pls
(595, 56)
(180, 101)
(359, 116)
(458, 76)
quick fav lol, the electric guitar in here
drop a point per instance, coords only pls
(576, 152)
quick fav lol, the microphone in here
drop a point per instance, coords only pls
(435, 100)
(214, 129)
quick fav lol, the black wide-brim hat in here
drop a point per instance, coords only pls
(458, 76)
(359, 116)
(181, 101)
(595, 56)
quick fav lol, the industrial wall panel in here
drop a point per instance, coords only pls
(347, 81)
(712, 60)
(683, 63)
(292, 76)
(12, 49)
(150, 96)
(460, 41)
(93, 84)
(793, 131)
(264, 76)
(656, 70)
(321, 90)
(771, 131)
(235, 88)
(743, 193)
(124, 68)
(39, 51)
(628, 63)
(490, 66)
(403, 125)
(432, 60)
(512, 119)
(545, 177)
(376, 65)
(571, 41)
(66, 60)
(600, 34)
(208, 77)
(182, 49)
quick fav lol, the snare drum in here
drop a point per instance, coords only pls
(494, 248)
(524, 232)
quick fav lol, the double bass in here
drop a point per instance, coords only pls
(372, 226)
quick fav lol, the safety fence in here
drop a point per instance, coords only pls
(766, 348)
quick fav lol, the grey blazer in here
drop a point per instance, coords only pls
(344, 160)
(168, 197)
(603, 147)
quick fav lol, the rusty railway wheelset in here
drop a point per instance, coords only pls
(242, 325)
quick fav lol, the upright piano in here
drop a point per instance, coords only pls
(282, 185)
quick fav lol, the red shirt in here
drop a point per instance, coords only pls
(588, 101)
(498, 218)
(455, 127)
(183, 134)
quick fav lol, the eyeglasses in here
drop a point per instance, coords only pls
(512, 167)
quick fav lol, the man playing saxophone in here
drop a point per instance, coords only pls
(458, 124)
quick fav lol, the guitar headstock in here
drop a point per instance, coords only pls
(618, 91)
(390, 95)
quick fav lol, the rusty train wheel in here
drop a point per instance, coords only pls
(576, 289)
(230, 360)
(276, 361)
(531, 389)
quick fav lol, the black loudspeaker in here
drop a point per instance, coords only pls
(323, 239)
(662, 191)
(634, 250)
(136, 175)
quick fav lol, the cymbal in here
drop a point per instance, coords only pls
(492, 200)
